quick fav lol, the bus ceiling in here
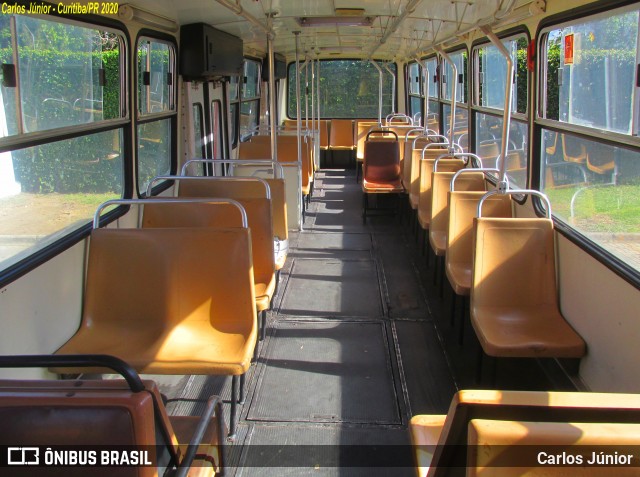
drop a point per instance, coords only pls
(396, 30)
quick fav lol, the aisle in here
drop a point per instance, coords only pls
(352, 351)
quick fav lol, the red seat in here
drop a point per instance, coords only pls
(381, 169)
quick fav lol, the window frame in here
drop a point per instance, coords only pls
(612, 262)
(74, 236)
(632, 139)
(475, 108)
(147, 118)
(252, 99)
(385, 74)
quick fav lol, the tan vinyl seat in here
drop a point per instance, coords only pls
(183, 298)
(408, 155)
(415, 170)
(440, 441)
(341, 135)
(277, 187)
(251, 195)
(439, 220)
(288, 153)
(514, 303)
(280, 225)
(494, 448)
(463, 206)
(422, 187)
(324, 134)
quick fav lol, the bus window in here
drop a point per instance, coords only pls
(250, 99)
(433, 116)
(591, 172)
(348, 90)
(461, 132)
(68, 81)
(490, 70)
(415, 82)
(156, 109)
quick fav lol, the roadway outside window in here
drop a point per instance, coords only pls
(588, 117)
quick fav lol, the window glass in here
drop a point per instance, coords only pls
(348, 89)
(433, 116)
(198, 130)
(492, 71)
(155, 76)
(415, 104)
(251, 81)
(249, 114)
(154, 151)
(415, 79)
(594, 187)
(67, 75)
(49, 190)
(432, 67)
(461, 125)
(489, 141)
(590, 72)
(234, 90)
(460, 60)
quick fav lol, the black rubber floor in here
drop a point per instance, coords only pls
(333, 288)
(327, 372)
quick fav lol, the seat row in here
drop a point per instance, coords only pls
(181, 292)
(505, 264)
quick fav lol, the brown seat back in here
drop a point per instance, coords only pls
(100, 414)
(381, 161)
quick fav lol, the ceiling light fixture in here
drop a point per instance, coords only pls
(352, 20)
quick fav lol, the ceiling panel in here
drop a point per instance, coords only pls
(432, 20)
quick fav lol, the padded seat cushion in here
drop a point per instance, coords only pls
(169, 301)
(372, 186)
(538, 331)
